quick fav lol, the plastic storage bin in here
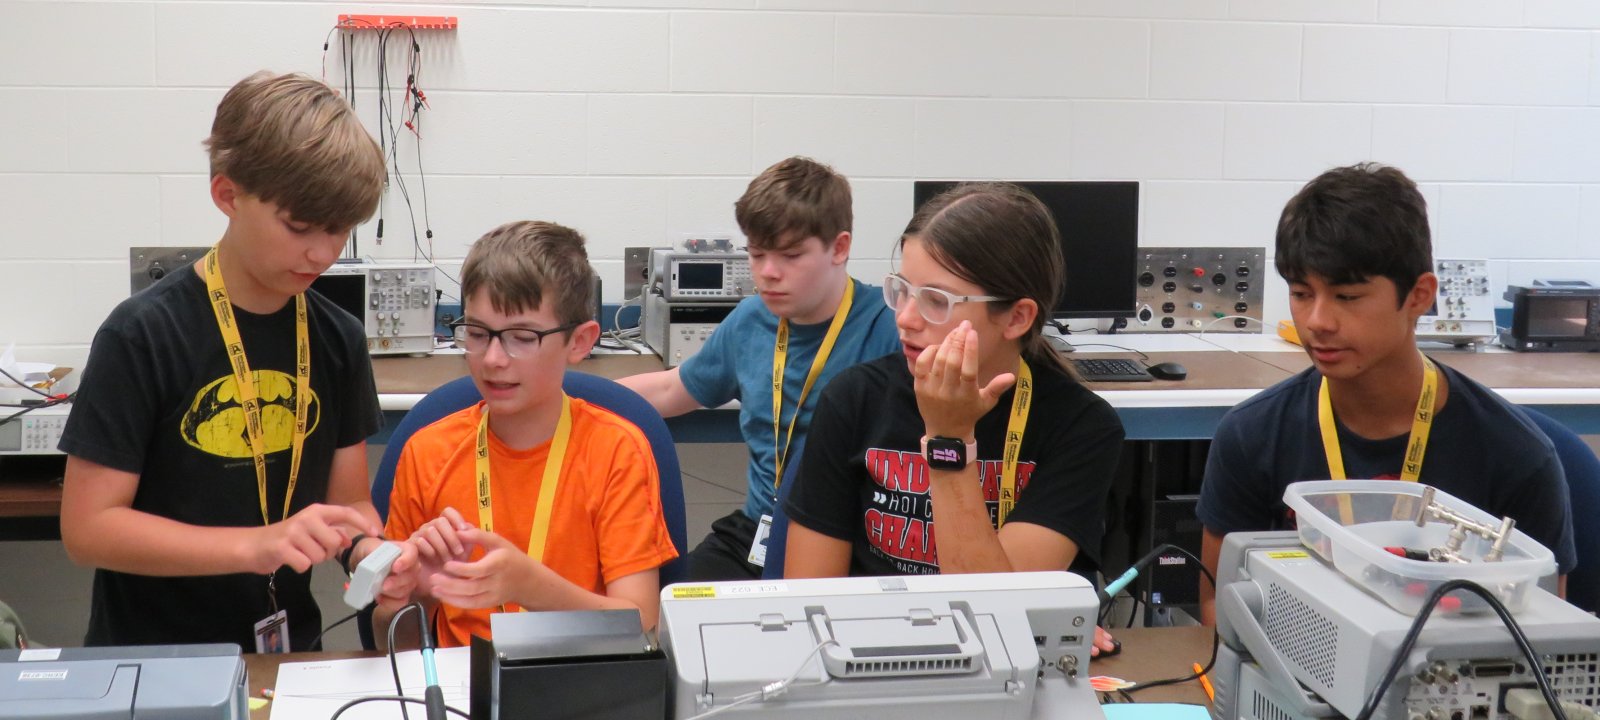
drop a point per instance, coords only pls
(1350, 522)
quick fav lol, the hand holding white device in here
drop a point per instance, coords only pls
(370, 574)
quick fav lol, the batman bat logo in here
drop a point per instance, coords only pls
(215, 421)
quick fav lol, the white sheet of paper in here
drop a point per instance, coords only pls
(28, 372)
(317, 689)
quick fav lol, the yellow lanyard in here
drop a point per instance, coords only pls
(245, 381)
(1421, 424)
(780, 357)
(1021, 402)
(547, 486)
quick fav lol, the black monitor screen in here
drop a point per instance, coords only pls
(700, 275)
(1099, 224)
(348, 291)
(1558, 317)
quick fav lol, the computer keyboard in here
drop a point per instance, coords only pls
(1111, 370)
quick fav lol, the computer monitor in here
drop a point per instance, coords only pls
(1099, 224)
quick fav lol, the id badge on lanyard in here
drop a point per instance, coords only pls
(272, 633)
(780, 440)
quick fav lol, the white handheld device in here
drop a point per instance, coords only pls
(369, 575)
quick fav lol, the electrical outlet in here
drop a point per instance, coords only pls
(444, 314)
(146, 265)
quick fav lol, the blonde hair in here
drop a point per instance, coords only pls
(522, 264)
(292, 141)
(795, 199)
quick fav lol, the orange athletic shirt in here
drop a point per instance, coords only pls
(607, 521)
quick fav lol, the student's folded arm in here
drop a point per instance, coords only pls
(967, 539)
(664, 391)
(1064, 501)
(1232, 496)
(811, 554)
(1029, 547)
(637, 591)
(1210, 551)
(641, 590)
(535, 586)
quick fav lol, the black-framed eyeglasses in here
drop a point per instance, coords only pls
(516, 341)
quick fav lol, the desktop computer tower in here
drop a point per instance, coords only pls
(1172, 581)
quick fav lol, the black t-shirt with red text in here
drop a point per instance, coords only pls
(863, 478)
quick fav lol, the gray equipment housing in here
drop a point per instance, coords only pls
(1010, 645)
(165, 682)
(1299, 640)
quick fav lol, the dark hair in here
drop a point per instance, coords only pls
(999, 237)
(791, 201)
(523, 263)
(1352, 223)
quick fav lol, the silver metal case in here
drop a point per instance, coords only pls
(1197, 289)
(676, 331)
(1298, 625)
(1463, 309)
(393, 301)
(35, 433)
(701, 276)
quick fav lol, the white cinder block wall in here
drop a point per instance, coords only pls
(639, 121)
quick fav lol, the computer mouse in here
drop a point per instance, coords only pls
(1169, 371)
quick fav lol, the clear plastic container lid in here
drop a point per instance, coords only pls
(1352, 523)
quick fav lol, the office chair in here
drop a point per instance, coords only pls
(778, 541)
(461, 393)
(1582, 469)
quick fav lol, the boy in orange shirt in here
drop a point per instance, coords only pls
(572, 518)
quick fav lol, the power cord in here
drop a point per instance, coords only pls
(773, 690)
(392, 698)
(1404, 651)
(26, 386)
(318, 639)
(433, 696)
(1122, 581)
(626, 337)
(1202, 334)
(28, 406)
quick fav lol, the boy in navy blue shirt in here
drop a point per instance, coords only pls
(1355, 248)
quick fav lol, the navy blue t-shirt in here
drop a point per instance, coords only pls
(1482, 450)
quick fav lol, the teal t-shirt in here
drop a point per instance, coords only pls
(736, 364)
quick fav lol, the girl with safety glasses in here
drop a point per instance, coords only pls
(920, 440)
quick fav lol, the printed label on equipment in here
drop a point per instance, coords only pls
(756, 589)
(694, 592)
(44, 675)
(1288, 555)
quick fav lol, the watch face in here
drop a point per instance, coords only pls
(946, 453)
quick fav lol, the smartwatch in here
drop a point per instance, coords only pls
(948, 453)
